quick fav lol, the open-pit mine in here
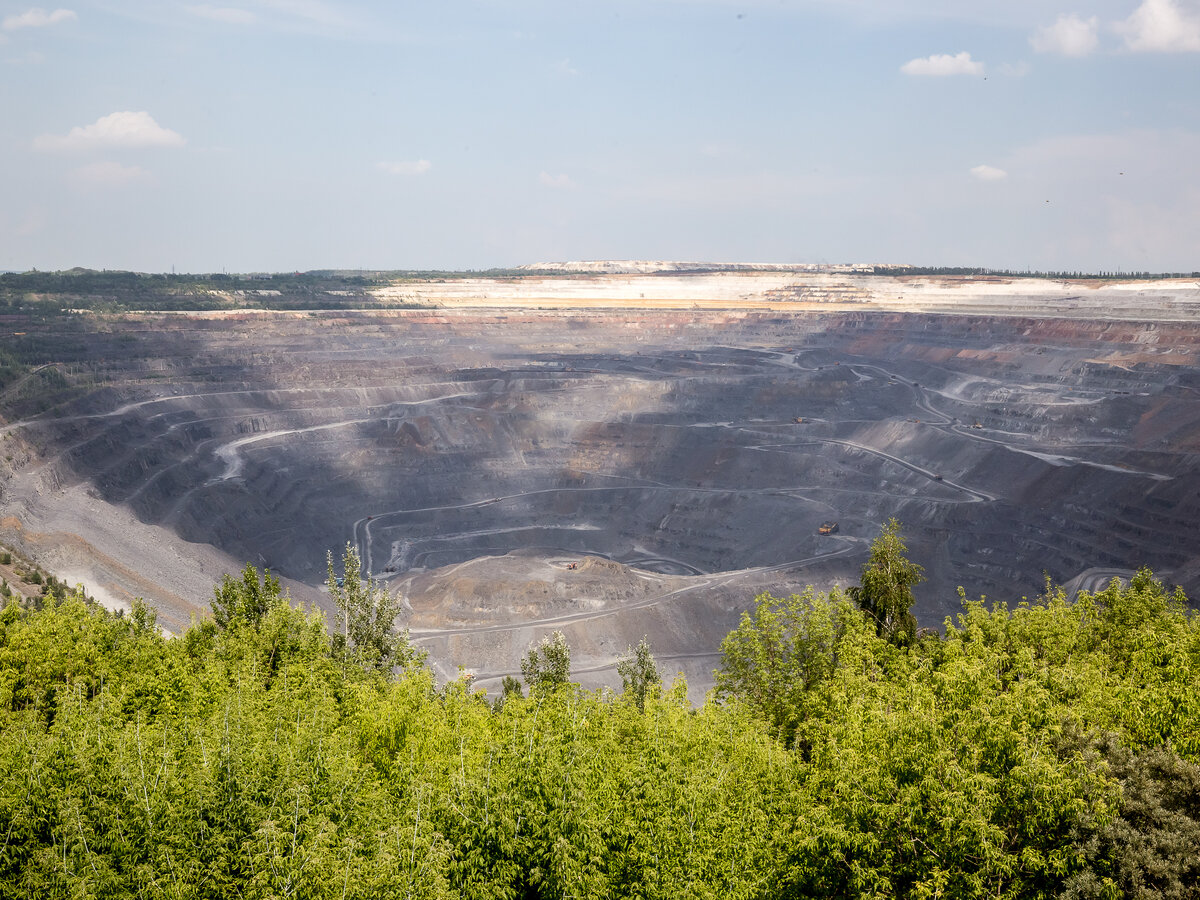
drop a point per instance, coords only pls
(619, 453)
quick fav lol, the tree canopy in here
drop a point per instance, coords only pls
(639, 672)
(885, 592)
(1051, 749)
(365, 630)
(547, 665)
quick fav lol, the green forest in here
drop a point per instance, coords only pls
(1046, 749)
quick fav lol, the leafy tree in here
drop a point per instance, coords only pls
(1147, 643)
(885, 592)
(781, 651)
(366, 619)
(143, 618)
(639, 672)
(1149, 850)
(510, 689)
(547, 665)
(246, 601)
(1048, 750)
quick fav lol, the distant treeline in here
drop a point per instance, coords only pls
(1047, 750)
(80, 280)
(57, 293)
(1028, 273)
(118, 291)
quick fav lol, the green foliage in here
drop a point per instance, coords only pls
(62, 293)
(885, 592)
(510, 687)
(548, 665)
(1150, 848)
(366, 621)
(1047, 750)
(246, 601)
(639, 673)
(780, 653)
(143, 617)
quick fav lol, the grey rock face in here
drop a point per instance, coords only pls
(681, 461)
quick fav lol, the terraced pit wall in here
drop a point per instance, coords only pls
(681, 459)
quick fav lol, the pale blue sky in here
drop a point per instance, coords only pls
(300, 134)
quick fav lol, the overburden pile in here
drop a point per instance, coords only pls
(1051, 749)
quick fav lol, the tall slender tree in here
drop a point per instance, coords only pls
(639, 672)
(366, 619)
(885, 591)
(548, 665)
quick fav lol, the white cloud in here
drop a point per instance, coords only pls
(123, 130)
(555, 181)
(988, 173)
(1161, 26)
(943, 64)
(38, 18)
(228, 14)
(107, 174)
(407, 167)
(1069, 36)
